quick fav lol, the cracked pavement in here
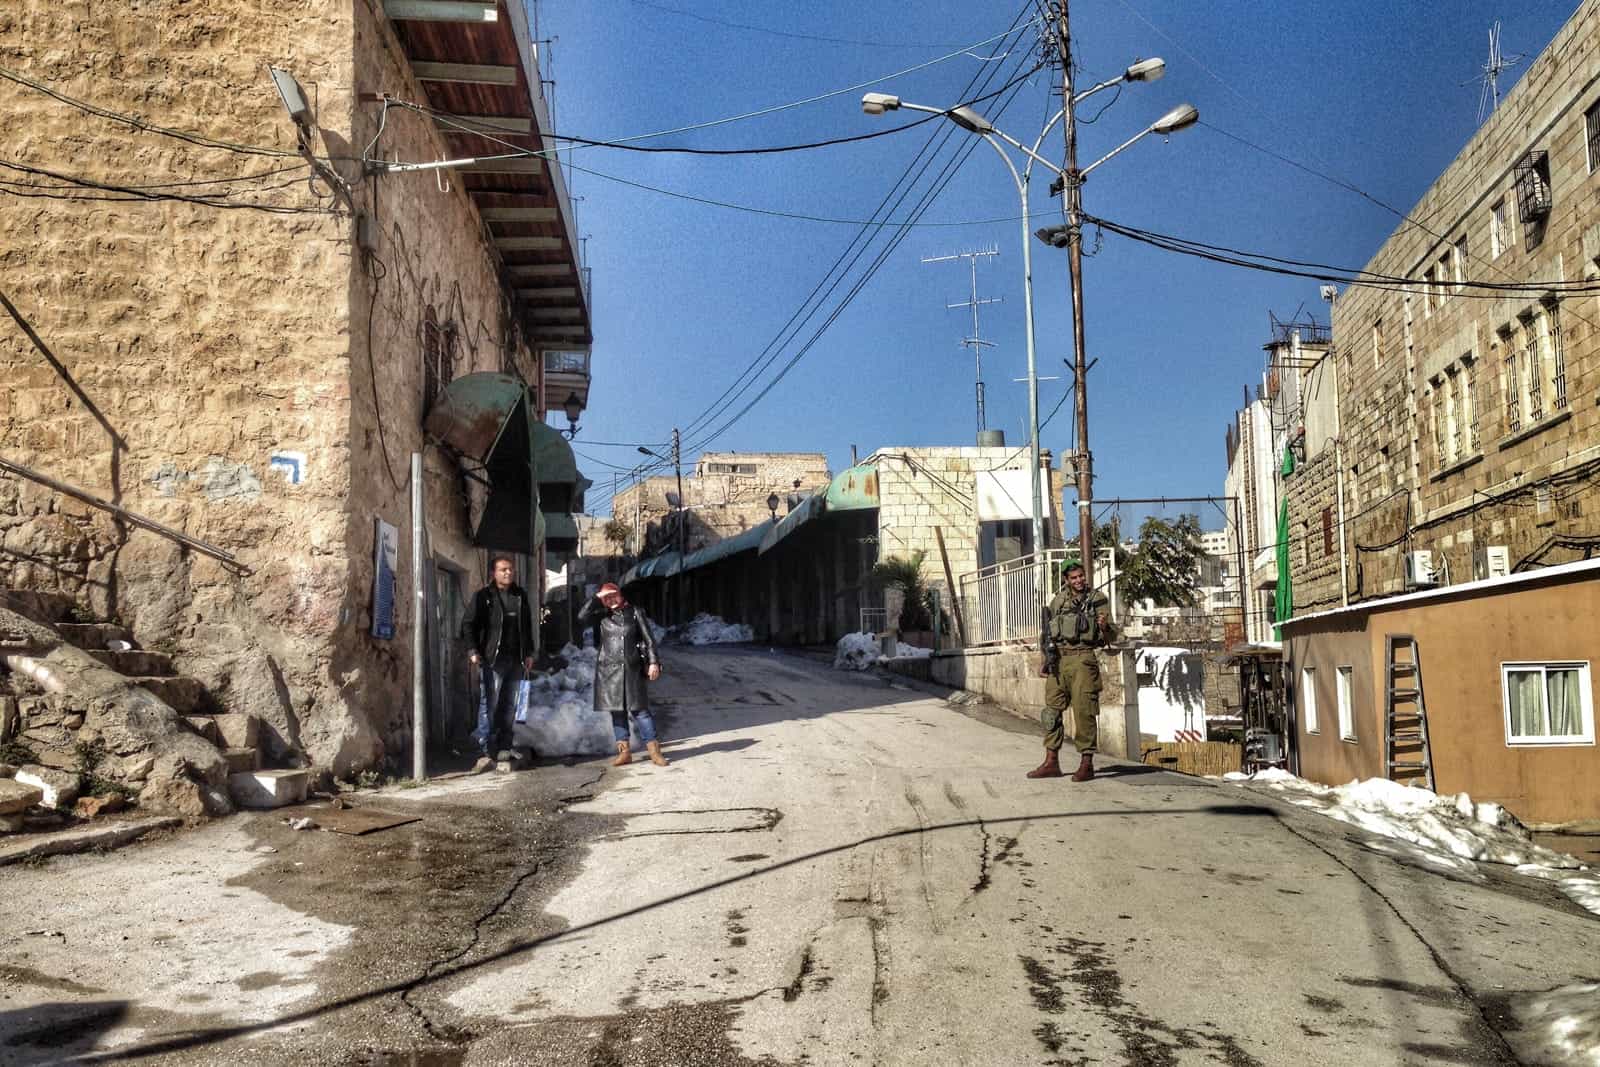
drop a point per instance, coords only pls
(834, 870)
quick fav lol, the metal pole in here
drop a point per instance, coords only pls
(683, 514)
(1074, 208)
(1244, 591)
(419, 629)
(1041, 578)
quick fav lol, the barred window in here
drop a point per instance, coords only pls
(438, 358)
(1511, 385)
(1499, 231)
(1591, 135)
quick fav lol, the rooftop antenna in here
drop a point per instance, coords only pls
(976, 341)
(1489, 96)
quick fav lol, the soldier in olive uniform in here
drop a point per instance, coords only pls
(1075, 624)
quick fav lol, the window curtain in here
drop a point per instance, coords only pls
(1524, 699)
(1566, 710)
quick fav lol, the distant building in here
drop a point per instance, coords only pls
(725, 493)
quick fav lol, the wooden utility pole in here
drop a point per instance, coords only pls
(683, 515)
(1073, 195)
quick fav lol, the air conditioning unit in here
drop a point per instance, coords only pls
(1491, 561)
(1419, 569)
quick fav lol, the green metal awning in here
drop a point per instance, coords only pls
(560, 532)
(489, 419)
(809, 509)
(663, 566)
(747, 541)
(552, 455)
(855, 489)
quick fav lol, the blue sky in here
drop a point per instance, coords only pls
(687, 295)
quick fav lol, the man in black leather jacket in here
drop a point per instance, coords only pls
(503, 640)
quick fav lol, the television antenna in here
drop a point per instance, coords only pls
(976, 341)
(1489, 95)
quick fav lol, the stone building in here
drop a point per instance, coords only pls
(233, 321)
(725, 494)
(1462, 431)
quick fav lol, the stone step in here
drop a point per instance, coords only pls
(93, 635)
(269, 789)
(238, 730)
(185, 695)
(135, 664)
(42, 607)
(206, 727)
(242, 760)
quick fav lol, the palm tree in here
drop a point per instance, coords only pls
(916, 606)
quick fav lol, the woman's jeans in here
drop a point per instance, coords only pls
(641, 721)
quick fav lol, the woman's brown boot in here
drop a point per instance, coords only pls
(624, 757)
(654, 748)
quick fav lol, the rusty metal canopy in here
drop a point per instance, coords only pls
(855, 489)
(747, 541)
(809, 509)
(552, 455)
(472, 413)
(488, 418)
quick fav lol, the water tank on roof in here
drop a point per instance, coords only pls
(991, 439)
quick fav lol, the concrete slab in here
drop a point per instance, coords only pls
(269, 789)
(92, 838)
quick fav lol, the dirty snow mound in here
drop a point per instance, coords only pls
(561, 716)
(1442, 831)
(855, 652)
(905, 651)
(706, 629)
(1561, 1026)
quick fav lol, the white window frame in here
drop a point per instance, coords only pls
(1308, 692)
(1591, 134)
(1498, 231)
(1345, 683)
(1586, 703)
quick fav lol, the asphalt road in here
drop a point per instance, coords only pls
(834, 870)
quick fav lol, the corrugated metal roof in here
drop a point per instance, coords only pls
(809, 509)
(729, 546)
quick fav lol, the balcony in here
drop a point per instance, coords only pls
(565, 373)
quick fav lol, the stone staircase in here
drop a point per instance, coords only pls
(49, 723)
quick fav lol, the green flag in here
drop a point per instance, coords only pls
(1283, 603)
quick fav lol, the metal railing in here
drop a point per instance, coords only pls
(1001, 603)
(132, 518)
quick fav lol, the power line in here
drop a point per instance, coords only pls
(783, 33)
(137, 193)
(843, 262)
(760, 112)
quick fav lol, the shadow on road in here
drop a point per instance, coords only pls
(216, 1035)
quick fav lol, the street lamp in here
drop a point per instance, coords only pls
(969, 119)
(772, 505)
(573, 407)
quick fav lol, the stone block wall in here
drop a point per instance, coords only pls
(244, 374)
(721, 504)
(1406, 360)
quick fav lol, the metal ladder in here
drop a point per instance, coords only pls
(1405, 718)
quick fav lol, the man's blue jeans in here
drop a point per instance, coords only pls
(641, 721)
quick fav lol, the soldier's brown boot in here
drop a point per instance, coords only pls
(1050, 768)
(624, 757)
(654, 748)
(1085, 769)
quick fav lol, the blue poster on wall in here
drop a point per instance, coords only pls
(386, 552)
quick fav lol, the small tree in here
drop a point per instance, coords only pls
(1165, 567)
(916, 606)
(617, 533)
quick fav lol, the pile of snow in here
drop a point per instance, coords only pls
(1561, 1026)
(561, 717)
(905, 651)
(855, 652)
(1448, 833)
(658, 633)
(705, 629)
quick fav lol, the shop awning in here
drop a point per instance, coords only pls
(809, 509)
(488, 419)
(747, 541)
(560, 532)
(855, 489)
(552, 455)
(663, 566)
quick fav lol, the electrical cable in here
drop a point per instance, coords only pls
(844, 260)
(900, 234)
(136, 193)
(191, 183)
(782, 33)
(810, 99)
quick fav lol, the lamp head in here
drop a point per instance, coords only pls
(969, 120)
(573, 407)
(1179, 118)
(878, 103)
(1054, 236)
(294, 97)
(1146, 70)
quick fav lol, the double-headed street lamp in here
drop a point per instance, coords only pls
(970, 120)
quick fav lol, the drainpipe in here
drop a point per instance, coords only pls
(419, 629)
(1338, 474)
